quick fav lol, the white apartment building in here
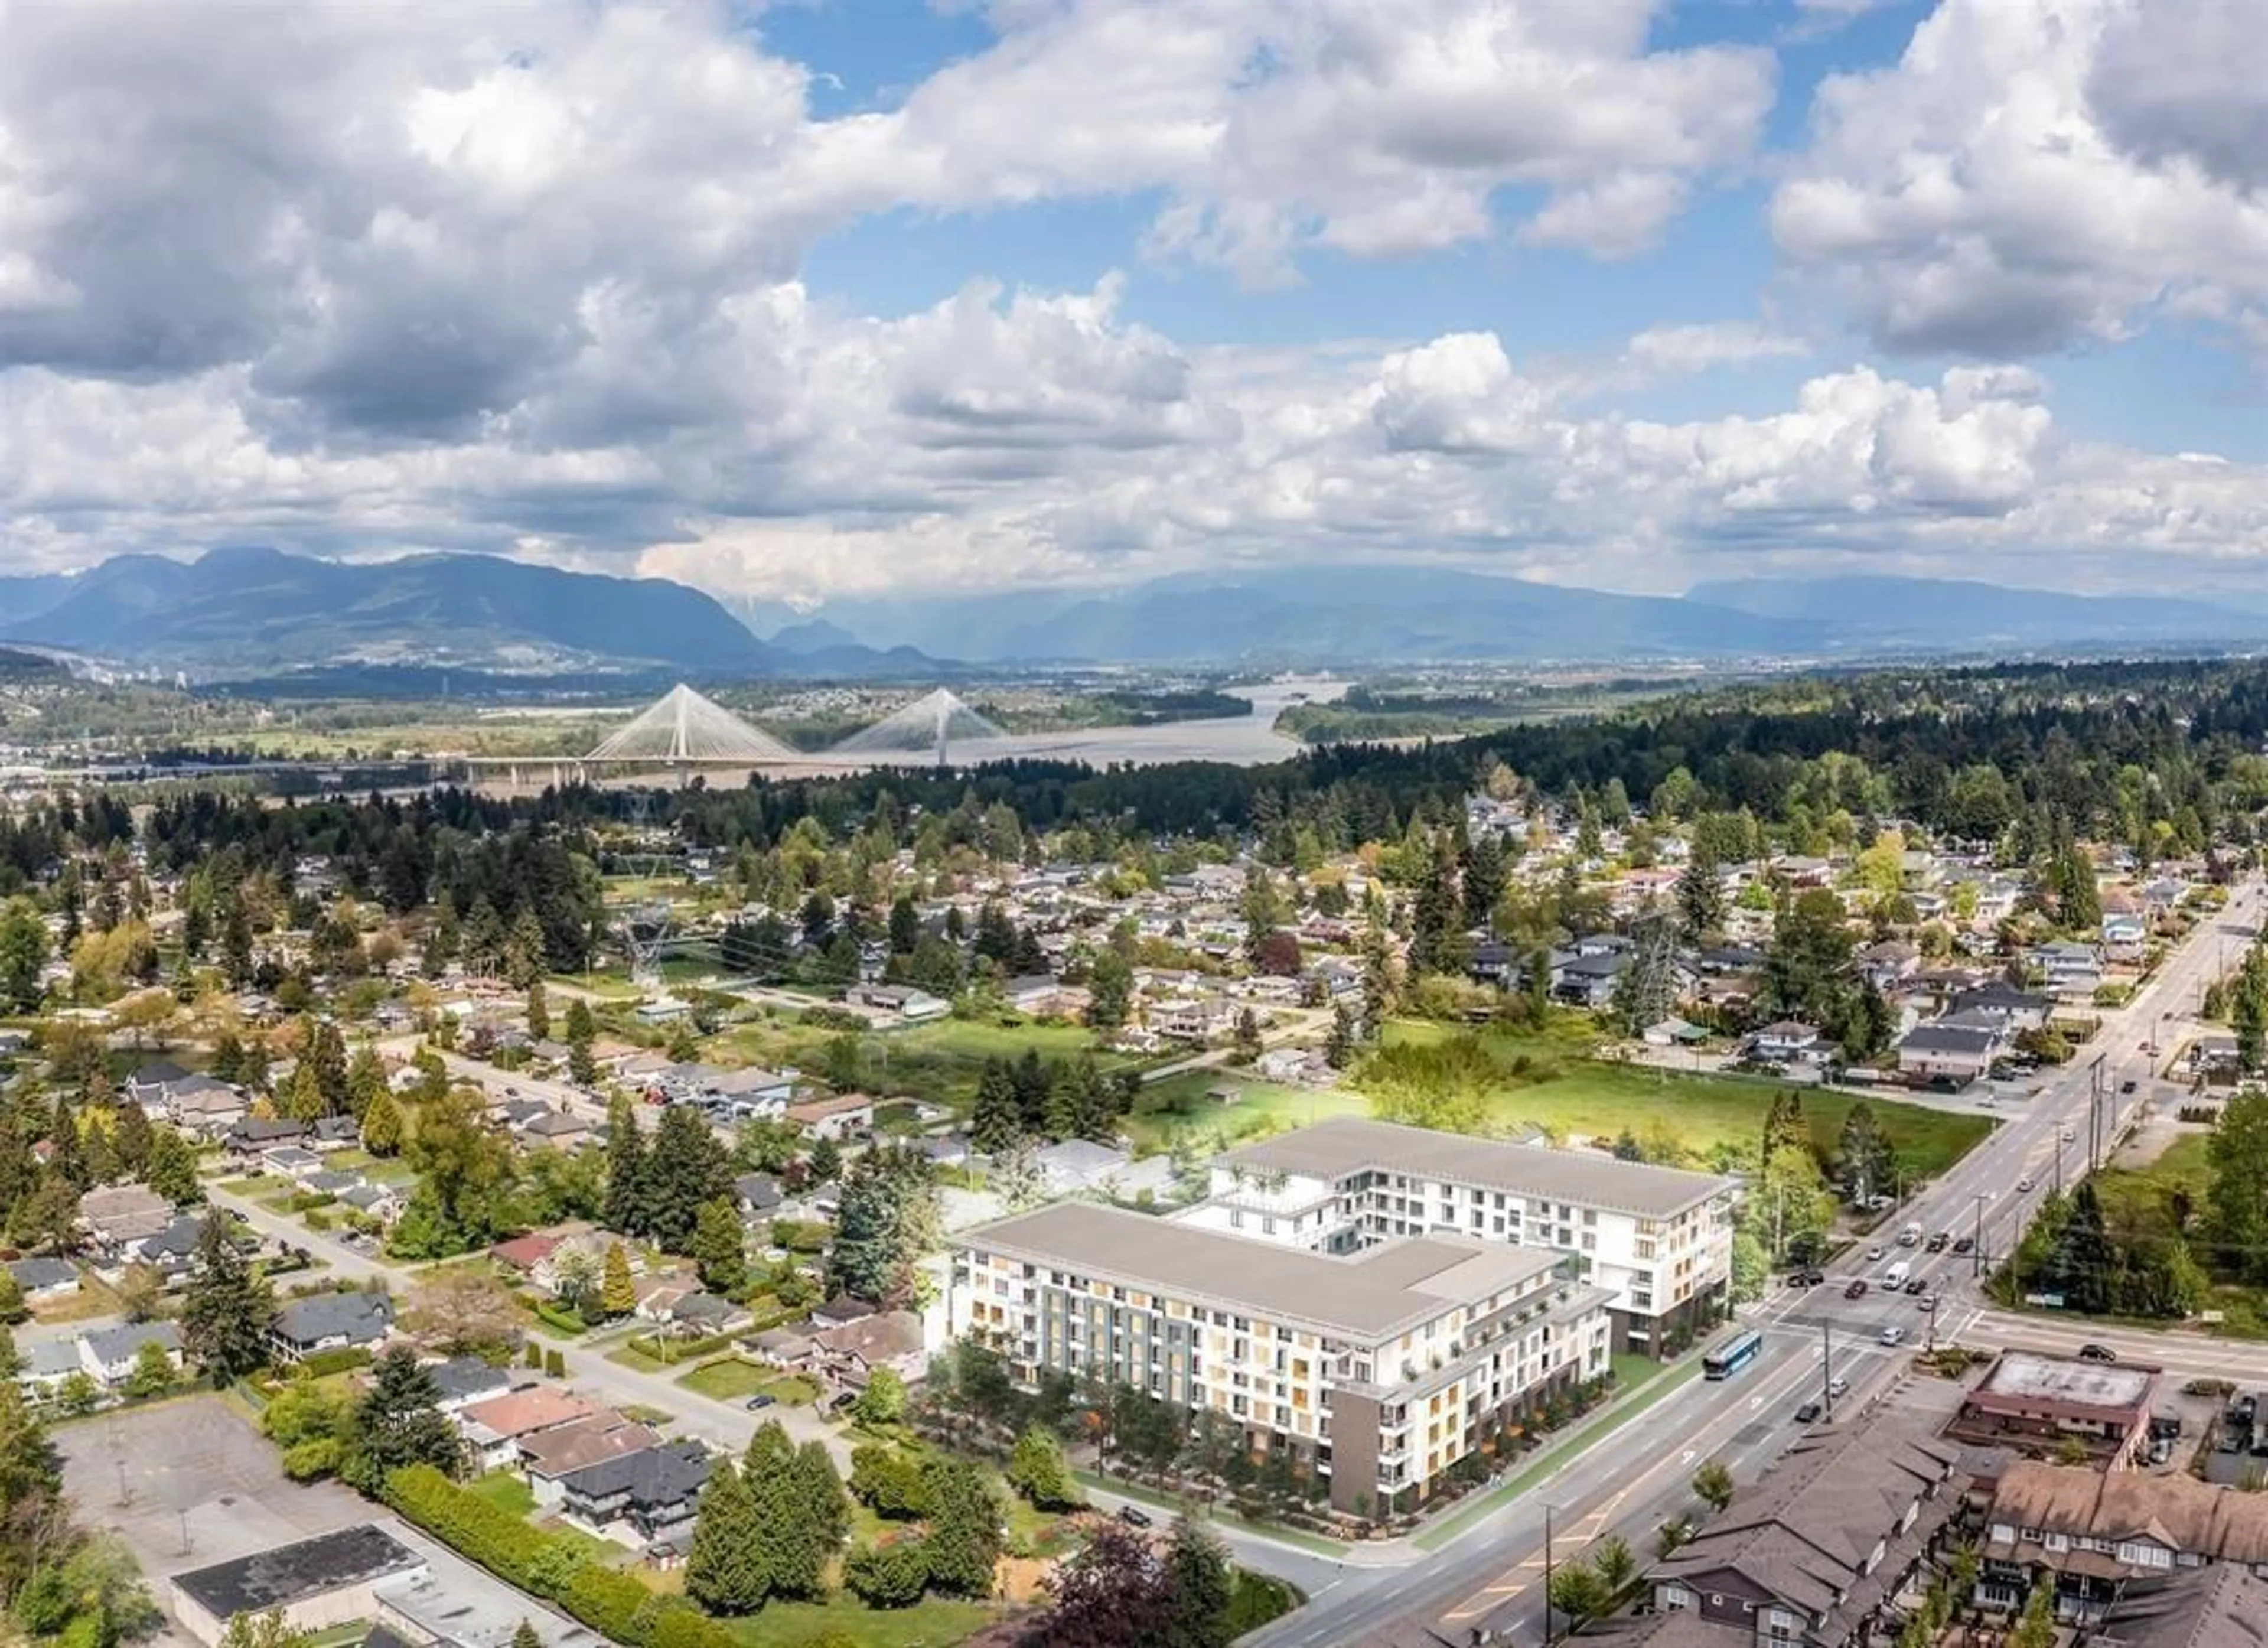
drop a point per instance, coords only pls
(1658, 1239)
(1378, 1369)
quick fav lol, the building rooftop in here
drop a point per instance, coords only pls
(1349, 1145)
(292, 1573)
(2031, 1377)
(521, 1412)
(1378, 1293)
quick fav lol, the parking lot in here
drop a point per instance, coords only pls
(191, 1483)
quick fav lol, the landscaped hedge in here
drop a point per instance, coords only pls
(565, 1320)
(681, 1349)
(339, 1361)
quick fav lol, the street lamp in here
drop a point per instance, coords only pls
(1977, 1248)
(1548, 1509)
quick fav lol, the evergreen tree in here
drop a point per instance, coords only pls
(524, 1635)
(1436, 939)
(365, 1080)
(1198, 1587)
(719, 1247)
(686, 1167)
(1338, 1042)
(887, 1220)
(399, 1422)
(539, 1013)
(617, 1293)
(1701, 892)
(1483, 881)
(1038, 1470)
(625, 1170)
(824, 1517)
(381, 1125)
(997, 1121)
(1784, 1126)
(826, 1161)
(303, 1099)
(2236, 1196)
(964, 1527)
(1111, 992)
(1032, 1086)
(725, 1570)
(1246, 1047)
(1863, 1157)
(172, 1172)
(226, 1311)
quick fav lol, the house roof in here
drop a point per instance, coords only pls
(2219, 1521)
(524, 1412)
(361, 1318)
(1970, 1040)
(1368, 1295)
(664, 1475)
(884, 1337)
(2222, 1606)
(580, 1442)
(1349, 1145)
(464, 1377)
(114, 1345)
(525, 1253)
(32, 1275)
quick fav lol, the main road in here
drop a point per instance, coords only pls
(1486, 1584)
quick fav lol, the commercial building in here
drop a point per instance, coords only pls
(2042, 1405)
(317, 1583)
(1377, 1370)
(1658, 1239)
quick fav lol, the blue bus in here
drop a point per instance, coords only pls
(1733, 1355)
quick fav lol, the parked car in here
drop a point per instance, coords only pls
(759, 1402)
(1857, 1290)
(1134, 1516)
(1807, 1414)
(2097, 1353)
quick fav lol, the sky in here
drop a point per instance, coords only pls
(805, 301)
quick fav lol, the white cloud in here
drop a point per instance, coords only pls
(1677, 351)
(2032, 171)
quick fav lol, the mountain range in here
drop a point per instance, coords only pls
(257, 612)
(1321, 615)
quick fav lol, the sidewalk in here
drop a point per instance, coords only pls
(1447, 1526)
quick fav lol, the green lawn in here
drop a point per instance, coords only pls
(733, 1379)
(1587, 1098)
(507, 1490)
(933, 1623)
(2130, 1194)
(1167, 1107)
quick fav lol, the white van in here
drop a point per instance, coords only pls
(1897, 1275)
(1910, 1235)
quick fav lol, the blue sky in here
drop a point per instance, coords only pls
(825, 299)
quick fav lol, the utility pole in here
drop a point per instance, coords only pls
(1546, 1576)
(1977, 1251)
(1827, 1365)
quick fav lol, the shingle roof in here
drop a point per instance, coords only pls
(360, 1317)
(1348, 1144)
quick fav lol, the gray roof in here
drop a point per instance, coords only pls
(34, 1273)
(1371, 1295)
(1948, 1037)
(114, 1345)
(664, 1475)
(466, 1377)
(292, 1573)
(361, 1318)
(1349, 1145)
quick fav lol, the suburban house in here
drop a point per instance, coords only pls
(651, 1496)
(1784, 1042)
(1818, 1551)
(494, 1427)
(847, 1356)
(2071, 970)
(1951, 1055)
(757, 1193)
(549, 1457)
(42, 1280)
(466, 1380)
(903, 1000)
(835, 1118)
(118, 1215)
(205, 1105)
(1077, 1165)
(152, 1086)
(108, 1355)
(330, 1322)
(253, 1137)
(1999, 1000)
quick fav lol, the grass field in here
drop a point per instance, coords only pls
(733, 1379)
(931, 1623)
(1588, 1099)
(1167, 1107)
(2127, 1193)
(506, 1491)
